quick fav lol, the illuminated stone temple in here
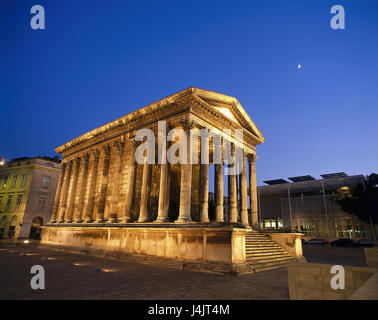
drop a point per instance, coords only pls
(109, 204)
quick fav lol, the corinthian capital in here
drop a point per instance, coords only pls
(119, 145)
(106, 149)
(187, 124)
(96, 154)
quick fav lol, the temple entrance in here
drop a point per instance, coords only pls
(35, 229)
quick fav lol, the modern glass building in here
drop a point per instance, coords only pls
(309, 205)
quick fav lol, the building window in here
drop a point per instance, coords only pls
(1, 200)
(14, 181)
(23, 181)
(42, 202)
(18, 202)
(45, 182)
(9, 202)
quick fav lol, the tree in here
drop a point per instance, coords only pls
(361, 200)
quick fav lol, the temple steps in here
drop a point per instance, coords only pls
(263, 254)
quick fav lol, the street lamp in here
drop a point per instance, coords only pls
(2, 161)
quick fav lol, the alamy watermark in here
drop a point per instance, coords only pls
(37, 281)
(191, 146)
(338, 20)
(338, 280)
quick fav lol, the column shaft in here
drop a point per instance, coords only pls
(232, 195)
(244, 195)
(63, 202)
(72, 197)
(253, 190)
(78, 216)
(119, 145)
(204, 187)
(104, 185)
(143, 211)
(58, 193)
(219, 194)
(127, 201)
(186, 179)
(204, 179)
(92, 187)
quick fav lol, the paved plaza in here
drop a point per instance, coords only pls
(72, 276)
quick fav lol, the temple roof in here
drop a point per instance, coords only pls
(228, 106)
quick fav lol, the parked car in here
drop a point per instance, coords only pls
(317, 241)
(364, 243)
(344, 242)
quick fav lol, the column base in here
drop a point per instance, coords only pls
(184, 220)
(78, 221)
(126, 220)
(112, 218)
(144, 221)
(162, 220)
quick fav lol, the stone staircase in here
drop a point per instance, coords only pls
(263, 254)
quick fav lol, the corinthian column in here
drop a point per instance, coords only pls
(244, 195)
(119, 145)
(204, 178)
(186, 178)
(58, 193)
(63, 202)
(232, 195)
(219, 194)
(92, 187)
(71, 200)
(253, 190)
(127, 201)
(143, 211)
(104, 185)
(163, 209)
(78, 216)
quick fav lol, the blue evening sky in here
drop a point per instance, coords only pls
(99, 60)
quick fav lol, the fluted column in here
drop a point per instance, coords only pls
(78, 215)
(92, 187)
(219, 194)
(232, 195)
(143, 210)
(186, 178)
(253, 190)
(163, 209)
(63, 202)
(204, 178)
(104, 185)
(58, 194)
(71, 200)
(244, 194)
(127, 201)
(119, 145)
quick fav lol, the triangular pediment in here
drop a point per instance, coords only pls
(231, 109)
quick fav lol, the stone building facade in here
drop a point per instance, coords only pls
(27, 192)
(108, 202)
